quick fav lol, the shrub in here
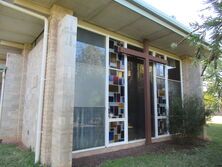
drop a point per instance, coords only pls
(186, 119)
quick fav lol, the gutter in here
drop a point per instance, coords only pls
(42, 75)
(3, 69)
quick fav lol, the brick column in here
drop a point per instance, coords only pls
(57, 13)
(62, 129)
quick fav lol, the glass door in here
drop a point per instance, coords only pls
(136, 106)
(136, 99)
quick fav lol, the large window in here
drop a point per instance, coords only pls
(167, 87)
(109, 93)
(89, 109)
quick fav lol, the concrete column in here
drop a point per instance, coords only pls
(62, 129)
(57, 13)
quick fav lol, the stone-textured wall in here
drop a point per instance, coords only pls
(10, 107)
(192, 81)
(31, 95)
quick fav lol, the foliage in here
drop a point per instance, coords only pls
(210, 54)
(186, 120)
(208, 156)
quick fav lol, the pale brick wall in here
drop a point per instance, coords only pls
(192, 81)
(10, 108)
(25, 52)
(31, 95)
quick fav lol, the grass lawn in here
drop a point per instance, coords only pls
(206, 156)
(13, 156)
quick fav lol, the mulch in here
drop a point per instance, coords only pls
(97, 160)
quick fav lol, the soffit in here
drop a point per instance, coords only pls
(119, 18)
(18, 27)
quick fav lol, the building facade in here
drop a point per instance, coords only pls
(81, 78)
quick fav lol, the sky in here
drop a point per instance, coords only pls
(185, 11)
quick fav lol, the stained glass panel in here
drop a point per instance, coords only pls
(161, 97)
(162, 126)
(116, 132)
(116, 92)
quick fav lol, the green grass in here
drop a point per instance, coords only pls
(12, 156)
(209, 155)
(206, 156)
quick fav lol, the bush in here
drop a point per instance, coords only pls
(186, 120)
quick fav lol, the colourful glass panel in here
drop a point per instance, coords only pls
(116, 81)
(116, 60)
(116, 132)
(162, 126)
(161, 97)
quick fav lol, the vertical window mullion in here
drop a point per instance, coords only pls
(126, 96)
(155, 98)
(107, 94)
(167, 95)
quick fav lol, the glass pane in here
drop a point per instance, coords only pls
(160, 70)
(136, 106)
(116, 81)
(89, 109)
(116, 91)
(116, 60)
(162, 126)
(161, 97)
(174, 91)
(173, 69)
(116, 132)
(159, 56)
(88, 128)
(134, 48)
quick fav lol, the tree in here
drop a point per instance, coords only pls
(210, 53)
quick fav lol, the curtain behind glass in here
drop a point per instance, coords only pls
(89, 110)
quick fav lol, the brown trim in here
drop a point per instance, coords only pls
(144, 55)
(131, 52)
(157, 60)
(147, 58)
(147, 96)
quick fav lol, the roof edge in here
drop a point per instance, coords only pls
(163, 16)
(156, 15)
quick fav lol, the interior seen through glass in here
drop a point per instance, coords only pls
(136, 106)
